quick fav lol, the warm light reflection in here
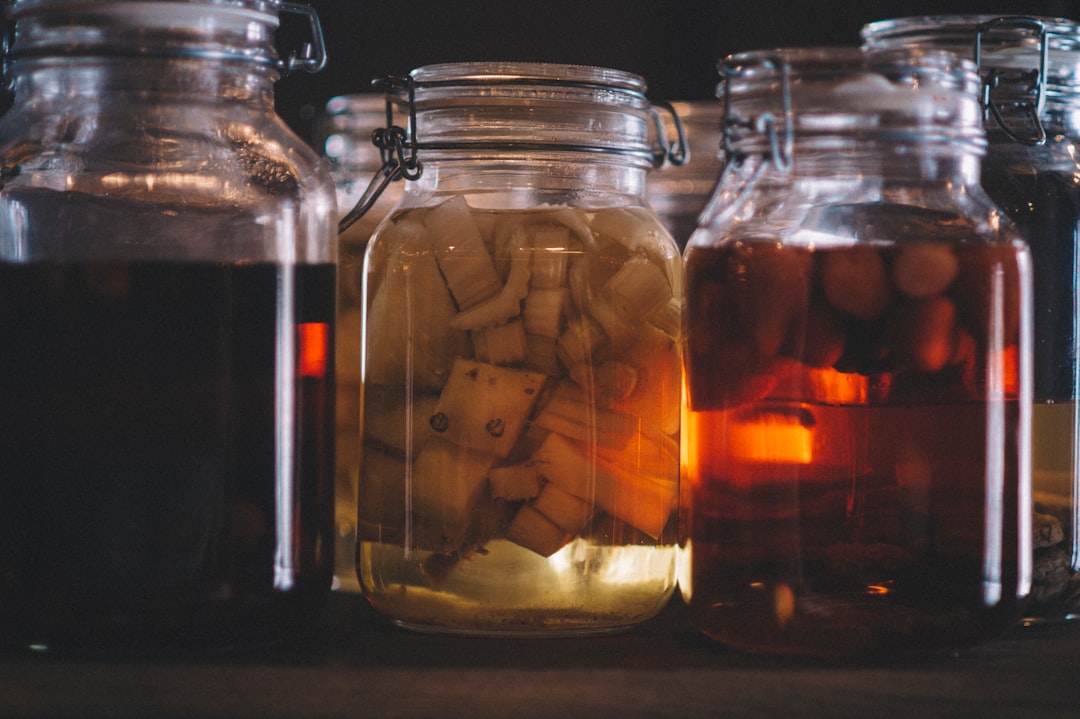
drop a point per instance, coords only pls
(119, 181)
(773, 438)
(314, 344)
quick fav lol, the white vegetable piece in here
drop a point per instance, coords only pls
(485, 407)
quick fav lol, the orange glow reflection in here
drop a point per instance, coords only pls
(773, 438)
(314, 345)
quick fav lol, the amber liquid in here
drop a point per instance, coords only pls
(866, 505)
(165, 452)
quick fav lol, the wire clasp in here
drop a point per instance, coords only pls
(397, 149)
(993, 78)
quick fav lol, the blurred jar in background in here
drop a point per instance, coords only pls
(677, 192)
(1031, 69)
(343, 136)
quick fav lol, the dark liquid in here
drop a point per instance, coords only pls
(165, 452)
(859, 499)
(1046, 207)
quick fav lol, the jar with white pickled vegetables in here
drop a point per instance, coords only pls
(858, 365)
(521, 359)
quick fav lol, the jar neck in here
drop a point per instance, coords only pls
(506, 180)
(895, 161)
(84, 81)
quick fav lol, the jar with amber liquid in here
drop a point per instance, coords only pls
(521, 360)
(857, 351)
(1031, 74)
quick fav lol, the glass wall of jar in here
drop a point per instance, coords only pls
(857, 365)
(343, 136)
(1032, 172)
(679, 192)
(167, 307)
(521, 359)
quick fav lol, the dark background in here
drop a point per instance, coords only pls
(674, 44)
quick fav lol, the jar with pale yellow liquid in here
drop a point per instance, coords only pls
(521, 360)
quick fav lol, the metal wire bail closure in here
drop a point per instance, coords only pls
(676, 152)
(312, 55)
(399, 147)
(993, 78)
(780, 150)
(397, 150)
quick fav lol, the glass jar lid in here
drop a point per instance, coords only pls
(1027, 62)
(215, 29)
(1003, 43)
(532, 108)
(827, 96)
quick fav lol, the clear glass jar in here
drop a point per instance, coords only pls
(521, 361)
(1032, 172)
(167, 303)
(344, 139)
(679, 192)
(857, 333)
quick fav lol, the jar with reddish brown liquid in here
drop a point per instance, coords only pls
(853, 462)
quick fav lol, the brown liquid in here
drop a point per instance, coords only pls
(853, 459)
(164, 452)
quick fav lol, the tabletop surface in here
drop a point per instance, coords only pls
(356, 664)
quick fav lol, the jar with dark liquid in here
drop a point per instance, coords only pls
(1031, 68)
(521, 360)
(167, 307)
(857, 365)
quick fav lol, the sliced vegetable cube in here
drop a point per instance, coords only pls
(484, 407)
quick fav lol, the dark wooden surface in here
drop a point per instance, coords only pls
(355, 664)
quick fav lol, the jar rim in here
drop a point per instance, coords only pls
(1009, 43)
(509, 73)
(944, 24)
(205, 29)
(152, 12)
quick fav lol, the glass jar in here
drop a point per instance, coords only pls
(1032, 172)
(521, 360)
(857, 334)
(167, 303)
(679, 191)
(344, 136)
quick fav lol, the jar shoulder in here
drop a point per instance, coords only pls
(160, 144)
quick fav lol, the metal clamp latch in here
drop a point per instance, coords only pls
(993, 78)
(312, 55)
(397, 150)
(780, 149)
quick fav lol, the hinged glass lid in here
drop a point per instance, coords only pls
(215, 29)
